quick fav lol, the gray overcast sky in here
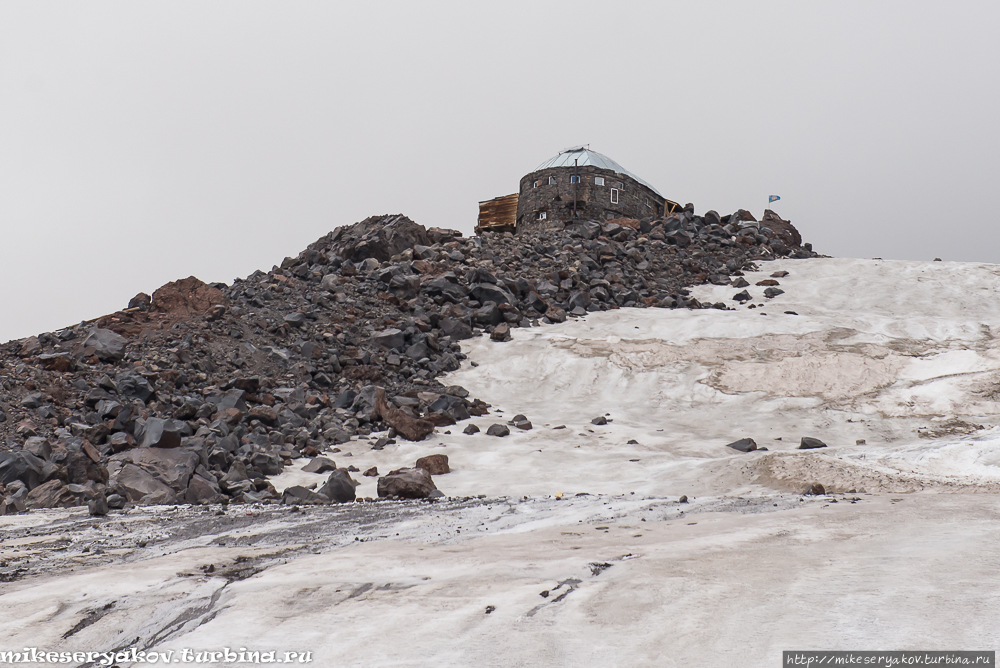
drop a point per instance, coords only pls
(141, 142)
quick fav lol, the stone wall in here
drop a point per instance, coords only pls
(587, 200)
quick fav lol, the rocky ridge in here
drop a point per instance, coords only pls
(199, 393)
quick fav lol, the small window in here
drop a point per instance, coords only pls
(620, 186)
(542, 215)
(598, 180)
(552, 180)
(535, 184)
(614, 195)
(574, 179)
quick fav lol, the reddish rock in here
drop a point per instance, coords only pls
(188, 296)
(782, 228)
(60, 362)
(501, 332)
(92, 452)
(625, 222)
(440, 419)
(410, 428)
(52, 494)
(231, 416)
(434, 464)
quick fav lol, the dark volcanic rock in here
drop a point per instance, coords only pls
(339, 486)
(107, 345)
(298, 495)
(130, 385)
(741, 297)
(810, 443)
(160, 433)
(408, 484)
(320, 465)
(743, 445)
(380, 237)
(498, 430)
(171, 467)
(203, 489)
(392, 339)
(98, 506)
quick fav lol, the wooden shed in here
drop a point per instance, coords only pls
(498, 214)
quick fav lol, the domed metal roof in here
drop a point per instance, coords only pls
(585, 156)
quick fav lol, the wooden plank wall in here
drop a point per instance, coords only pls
(499, 212)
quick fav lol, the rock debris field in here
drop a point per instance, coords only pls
(200, 393)
(685, 441)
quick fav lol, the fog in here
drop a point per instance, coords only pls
(145, 142)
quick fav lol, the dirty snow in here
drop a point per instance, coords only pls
(901, 554)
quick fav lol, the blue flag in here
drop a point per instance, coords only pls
(773, 198)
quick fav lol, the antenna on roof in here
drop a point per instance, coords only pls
(574, 149)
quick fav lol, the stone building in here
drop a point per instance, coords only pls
(580, 183)
(576, 184)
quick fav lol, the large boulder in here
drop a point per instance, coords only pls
(160, 433)
(491, 292)
(391, 339)
(408, 484)
(339, 487)
(202, 489)
(186, 297)
(810, 443)
(320, 465)
(446, 285)
(236, 480)
(107, 345)
(380, 237)
(451, 406)
(743, 445)
(142, 487)
(501, 333)
(173, 467)
(81, 467)
(299, 495)
(434, 464)
(52, 494)
(456, 329)
(234, 398)
(410, 428)
(498, 429)
(38, 446)
(22, 466)
(783, 229)
(133, 386)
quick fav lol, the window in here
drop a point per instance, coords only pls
(552, 180)
(574, 179)
(598, 180)
(614, 195)
(542, 215)
(535, 185)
